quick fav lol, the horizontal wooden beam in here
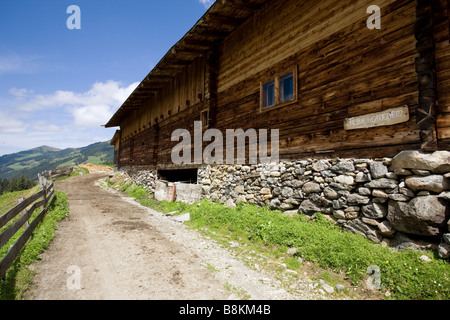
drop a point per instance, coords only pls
(224, 20)
(242, 5)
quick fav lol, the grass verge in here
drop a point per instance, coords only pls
(403, 274)
(19, 277)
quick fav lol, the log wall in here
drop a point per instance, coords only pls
(442, 43)
(343, 68)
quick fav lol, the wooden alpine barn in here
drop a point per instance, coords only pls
(228, 69)
(358, 92)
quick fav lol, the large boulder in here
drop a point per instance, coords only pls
(358, 226)
(424, 216)
(437, 162)
(434, 183)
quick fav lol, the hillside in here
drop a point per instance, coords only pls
(36, 160)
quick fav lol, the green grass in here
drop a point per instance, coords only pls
(19, 276)
(319, 241)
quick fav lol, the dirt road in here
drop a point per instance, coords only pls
(110, 247)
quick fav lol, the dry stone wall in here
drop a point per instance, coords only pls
(402, 201)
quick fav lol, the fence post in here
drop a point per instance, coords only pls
(23, 213)
(43, 184)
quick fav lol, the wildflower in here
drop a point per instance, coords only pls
(387, 261)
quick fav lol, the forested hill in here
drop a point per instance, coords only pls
(31, 162)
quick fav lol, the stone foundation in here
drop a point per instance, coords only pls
(401, 201)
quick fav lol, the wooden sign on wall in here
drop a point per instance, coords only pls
(384, 118)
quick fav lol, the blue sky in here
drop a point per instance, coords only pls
(58, 86)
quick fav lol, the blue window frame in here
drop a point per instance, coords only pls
(269, 94)
(287, 87)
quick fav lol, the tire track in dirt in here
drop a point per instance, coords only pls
(119, 254)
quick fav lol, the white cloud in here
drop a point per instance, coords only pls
(207, 3)
(9, 124)
(88, 109)
(17, 64)
(60, 119)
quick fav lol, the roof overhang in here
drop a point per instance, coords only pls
(222, 18)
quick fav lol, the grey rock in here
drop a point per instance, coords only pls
(382, 183)
(344, 166)
(328, 289)
(230, 203)
(374, 211)
(377, 169)
(421, 216)
(292, 251)
(421, 172)
(425, 258)
(340, 287)
(370, 222)
(330, 193)
(434, 183)
(379, 194)
(341, 186)
(402, 241)
(361, 177)
(357, 199)
(407, 192)
(321, 201)
(287, 192)
(364, 191)
(437, 162)
(444, 250)
(327, 173)
(239, 189)
(446, 238)
(321, 165)
(386, 229)
(344, 179)
(275, 203)
(402, 172)
(286, 206)
(182, 217)
(445, 195)
(310, 187)
(308, 207)
(357, 226)
(399, 197)
(339, 214)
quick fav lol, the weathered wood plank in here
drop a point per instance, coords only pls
(11, 255)
(19, 208)
(11, 230)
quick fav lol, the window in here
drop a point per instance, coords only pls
(280, 91)
(204, 117)
(287, 87)
(269, 94)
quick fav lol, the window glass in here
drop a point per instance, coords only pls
(269, 94)
(287, 87)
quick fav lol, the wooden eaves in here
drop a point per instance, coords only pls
(222, 18)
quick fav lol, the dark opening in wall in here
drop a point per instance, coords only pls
(182, 175)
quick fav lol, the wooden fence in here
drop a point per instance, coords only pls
(41, 199)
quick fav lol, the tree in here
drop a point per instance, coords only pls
(13, 185)
(22, 183)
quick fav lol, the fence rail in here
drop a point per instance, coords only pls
(46, 194)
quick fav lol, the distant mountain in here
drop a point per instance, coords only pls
(36, 160)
